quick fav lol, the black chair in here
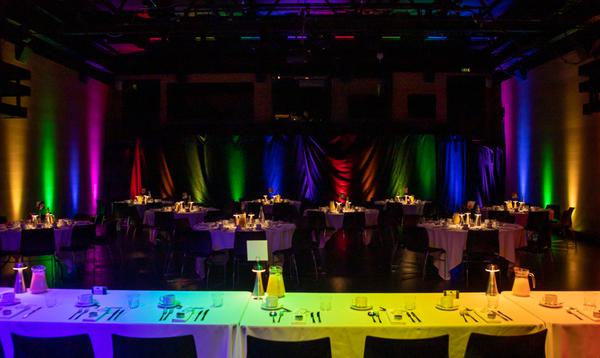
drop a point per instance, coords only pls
(120, 212)
(135, 221)
(180, 347)
(199, 244)
(56, 347)
(82, 237)
(39, 243)
(556, 209)
(317, 223)
(83, 217)
(283, 212)
(302, 243)
(253, 207)
(416, 239)
(390, 225)
(537, 220)
(483, 247)
(429, 210)
(3, 220)
(262, 348)
(410, 221)
(240, 250)
(212, 215)
(164, 222)
(502, 216)
(525, 346)
(376, 347)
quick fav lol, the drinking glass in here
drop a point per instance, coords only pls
(325, 303)
(50, 299)
(133, 300)
(410, 302)
(217, 299)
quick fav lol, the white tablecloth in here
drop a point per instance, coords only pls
(454, 242)
(407, 209)
(347, 328)
(279, 236)
(567, 335)
(268, 208)
(11, 239)
(194, 217)
(214, 337)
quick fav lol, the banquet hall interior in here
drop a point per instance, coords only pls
(264, 178)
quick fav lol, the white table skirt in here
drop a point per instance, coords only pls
(454, 242)
(347, 328)
(214, 337)
(11, 239)
(567, 335)
(268, 208)
(279, 236)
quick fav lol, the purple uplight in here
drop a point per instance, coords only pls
(297, 37)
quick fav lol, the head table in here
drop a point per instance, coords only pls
(224, 330)
(453, 240)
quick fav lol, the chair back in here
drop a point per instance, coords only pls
(436, 347)
(483, 242)
(316, 219)
(410, 220)
(566, 217)
(555, 208)
(302, 239)
(416, 239)
(392, 214)
(537, 220)
(241, 237)
(429, 210)
(37, 242)
(164, 220)
(529, 345)
(212, 215)
(82, 236)
(262, 348)
(253, 207)
(120, 210)
(179, 346)
(283, 211)
(354, 221)
(56, 347)
(198, 243)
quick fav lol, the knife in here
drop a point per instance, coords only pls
(119, 314)
(204, 315)
(504, 315)
(409, 316)
(312, 316)
(319, 316)
(571, 312)
(29, 313)
(114, 314)
(75, 314)
(415, 316)
(168, 314)
(198, 315)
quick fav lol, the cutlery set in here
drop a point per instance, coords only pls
(95, 315)
(466, 312)
(180, 316)
(317, 315)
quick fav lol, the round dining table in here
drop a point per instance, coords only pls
(415, 208)
(268, 207)
(194, 217)
(453, 239)
(279, 234)
(10, 238)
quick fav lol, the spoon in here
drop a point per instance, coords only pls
(571, 309)
(280, 316)
(378, 317)
(273, 314)
(372, 315)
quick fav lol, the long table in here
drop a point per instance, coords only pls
(224, 331)
(348, 328)
(214, 337)
(568, 336)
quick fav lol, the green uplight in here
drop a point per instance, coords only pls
(236, 166)
(547, 174)
(48, 162)
(198, 188)
(425, 165)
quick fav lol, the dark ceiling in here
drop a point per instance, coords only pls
(340, 37)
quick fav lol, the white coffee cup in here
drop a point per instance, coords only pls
(271, 301)
(167, 300)
(7, 297)
(550, 299)
(85, 299)
(447, 301)
(360, 301)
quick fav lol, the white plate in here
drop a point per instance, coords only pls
(95, 303)
(558, 305)
(175, 304)
(364, 308)
(271, 308)
(15, 302)
(442, 308)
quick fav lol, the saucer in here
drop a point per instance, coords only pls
(361, 308)
(173, 305)
(94, 303)
(558, 305)
(15, 302)
(442, 308)
(262, 306)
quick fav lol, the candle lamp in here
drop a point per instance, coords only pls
(20, 286)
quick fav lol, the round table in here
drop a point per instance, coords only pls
(11, 238)
(279, 235)
(453, 240)
(407, 209)
(268, 208)
(194, 217)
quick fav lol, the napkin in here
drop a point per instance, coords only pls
(392, 313)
